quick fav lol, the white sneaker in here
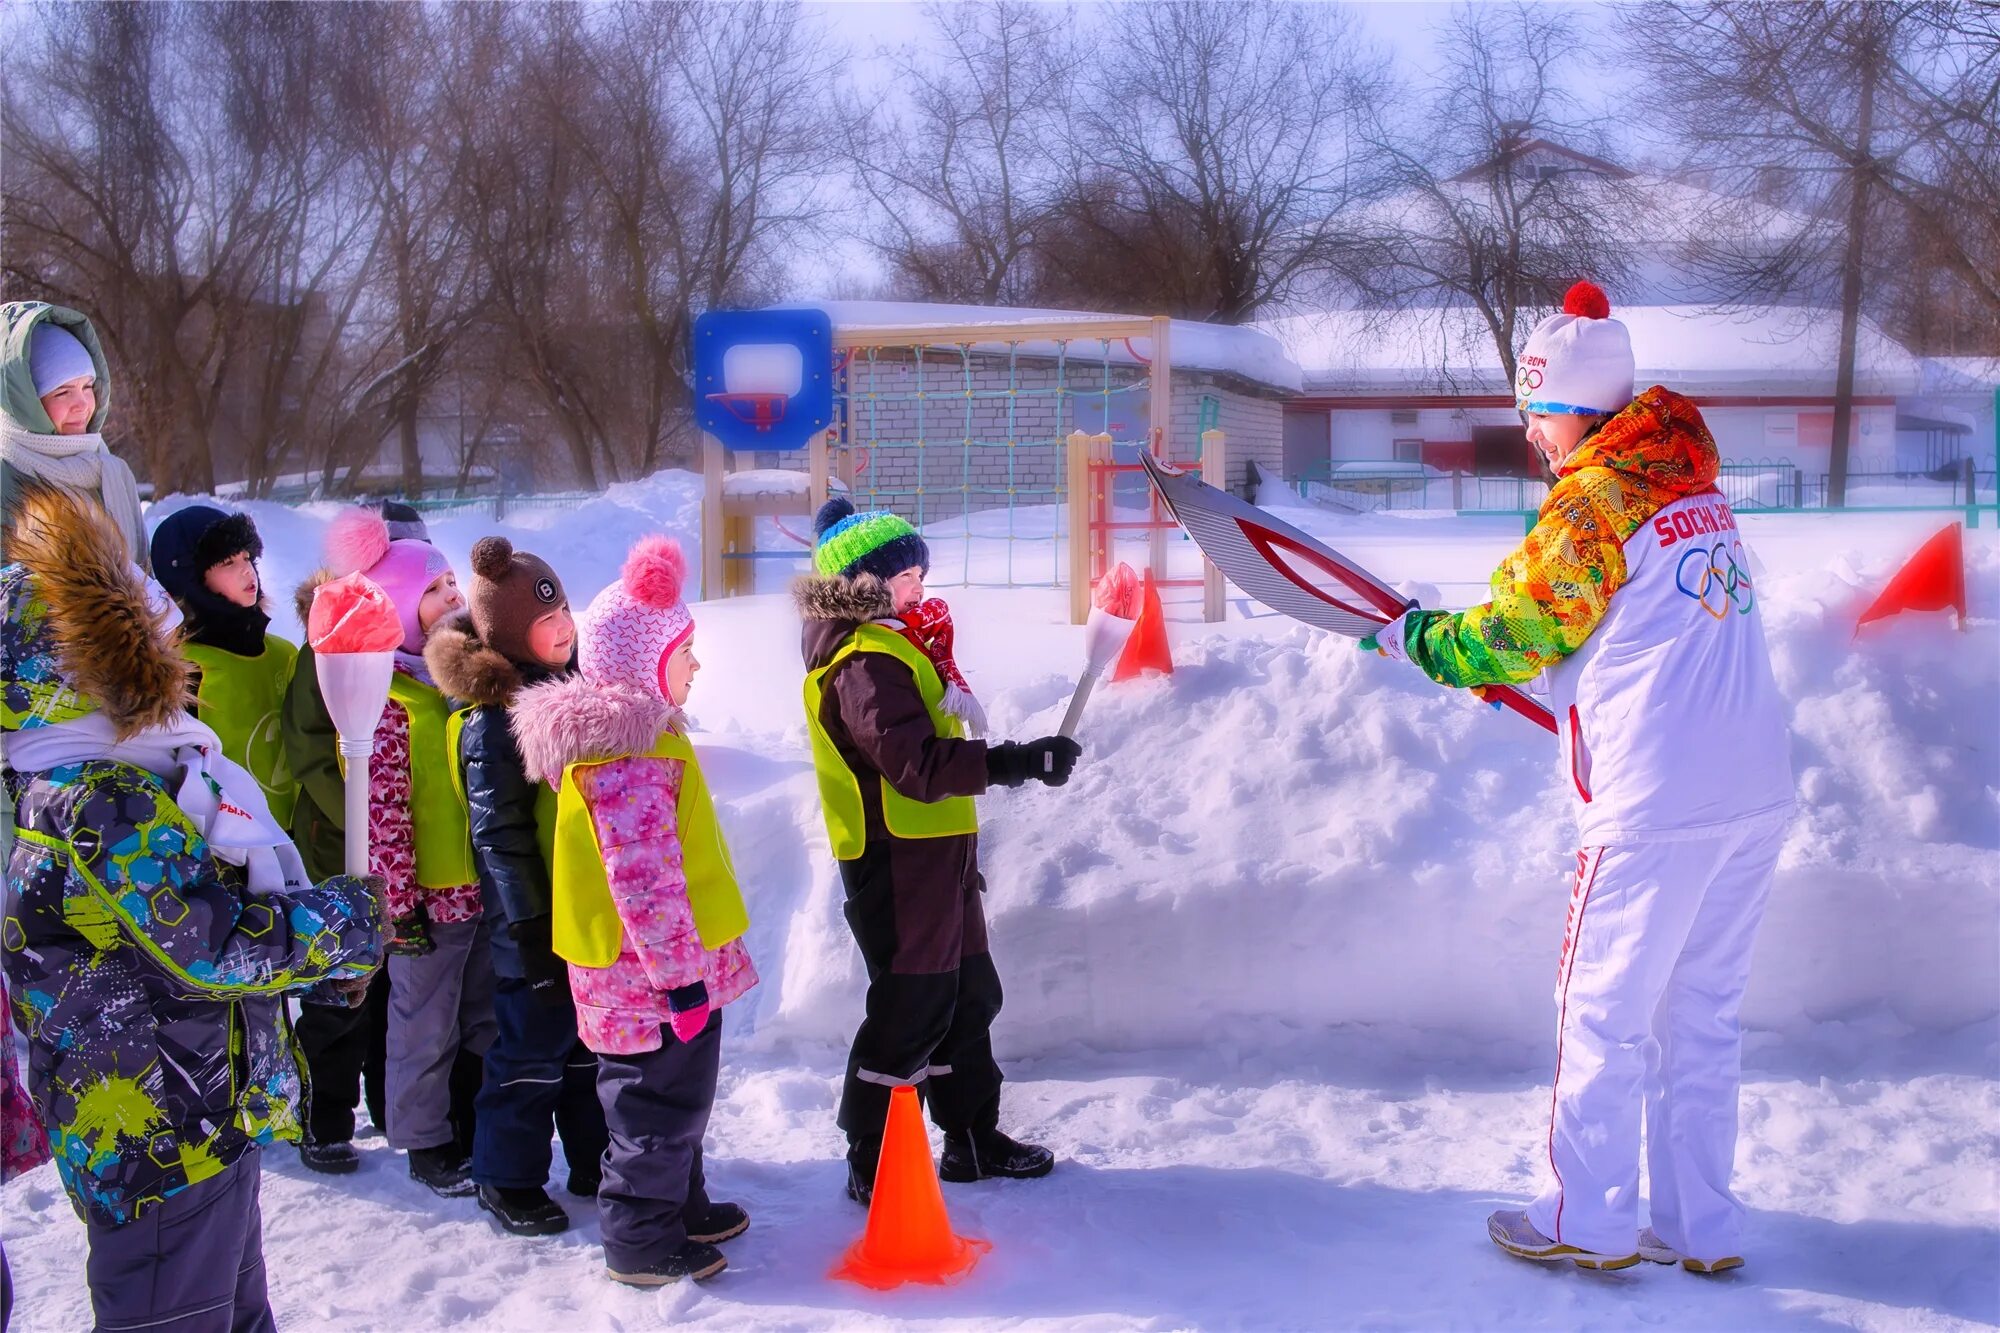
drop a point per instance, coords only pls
(1653, 1248)
(1512, 1232)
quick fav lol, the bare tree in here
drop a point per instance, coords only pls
(1501, 196)
(1827, 108)
(1221, 163)
(957, 156)
(170, 172)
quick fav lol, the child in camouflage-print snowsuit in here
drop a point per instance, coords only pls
(149, 980)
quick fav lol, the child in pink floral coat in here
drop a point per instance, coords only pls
(667, 952)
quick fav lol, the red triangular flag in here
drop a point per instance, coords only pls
(1147, 649)
(1933, 579)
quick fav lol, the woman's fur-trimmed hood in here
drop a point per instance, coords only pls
(564, 721)
(108, 635)
(466, 667)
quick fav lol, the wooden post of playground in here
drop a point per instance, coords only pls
(714, 527)
(1078, 457)
(1214, 471)
(1160, 398)
(816, 472)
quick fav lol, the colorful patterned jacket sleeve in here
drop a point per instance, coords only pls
(146, 874)
(1548, 595)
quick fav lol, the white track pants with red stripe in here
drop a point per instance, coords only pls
(1655, 958)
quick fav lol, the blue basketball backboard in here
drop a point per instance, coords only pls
(763, 378)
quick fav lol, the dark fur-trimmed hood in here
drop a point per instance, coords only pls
(105, 634)
(831, 607)
(466, 667)
(856, 600)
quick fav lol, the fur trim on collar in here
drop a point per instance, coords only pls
(859, 599)
(108, 635)
(302, 598)
(561, 722)
(467, 667)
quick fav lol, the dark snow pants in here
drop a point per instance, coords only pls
(537, 1072)
(933, 994)
(344, 1050)
(656, 1107)
(193, 1263)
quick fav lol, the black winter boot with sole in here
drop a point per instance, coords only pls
(442, 1170)
(695, 1259)
(722, 1221)
(524, 1212)
(332, 1159)
(984, 1154)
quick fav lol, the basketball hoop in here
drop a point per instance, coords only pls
(759, 410)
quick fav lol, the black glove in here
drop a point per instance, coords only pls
(1051, 760)
(412, 933)
(546, 974)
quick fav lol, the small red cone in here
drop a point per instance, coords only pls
(909, 1237)
(1147, 649)
(1933, 579)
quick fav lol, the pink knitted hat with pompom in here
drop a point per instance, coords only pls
(628, 631)
(358, 542)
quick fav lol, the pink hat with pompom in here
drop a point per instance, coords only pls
(358, 542)
(628, 631)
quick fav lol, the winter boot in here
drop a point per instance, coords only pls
(722, 1221)
(584, 1184)
(1512, 1232)
(1653, 1248)
(524, 1212)
(442, 1170)
(695, 1259)
(981, 1154)
(332, 1159)
(863, 1156)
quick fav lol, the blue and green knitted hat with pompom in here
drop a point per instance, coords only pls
(880, 543)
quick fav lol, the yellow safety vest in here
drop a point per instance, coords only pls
(443, 829)
(840, 787)
(584, 927)
(243, 700)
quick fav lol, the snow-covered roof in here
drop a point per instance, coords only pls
(1961, 374)
(1234, 349)
(1698, 349)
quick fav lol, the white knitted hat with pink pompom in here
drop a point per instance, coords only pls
(628, 631)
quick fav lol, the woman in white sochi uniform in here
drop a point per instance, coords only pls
(1633, 597)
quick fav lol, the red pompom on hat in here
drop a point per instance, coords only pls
(1587, 300)
(654, 571)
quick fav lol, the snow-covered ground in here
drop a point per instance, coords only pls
(1278, 966)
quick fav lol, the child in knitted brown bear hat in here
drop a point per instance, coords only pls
(517, 631)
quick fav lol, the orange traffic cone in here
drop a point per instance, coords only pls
(909, 1238)
(1147, 649)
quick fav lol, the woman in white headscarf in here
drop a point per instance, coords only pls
(54, 391)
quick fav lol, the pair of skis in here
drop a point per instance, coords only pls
(1262, 555)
